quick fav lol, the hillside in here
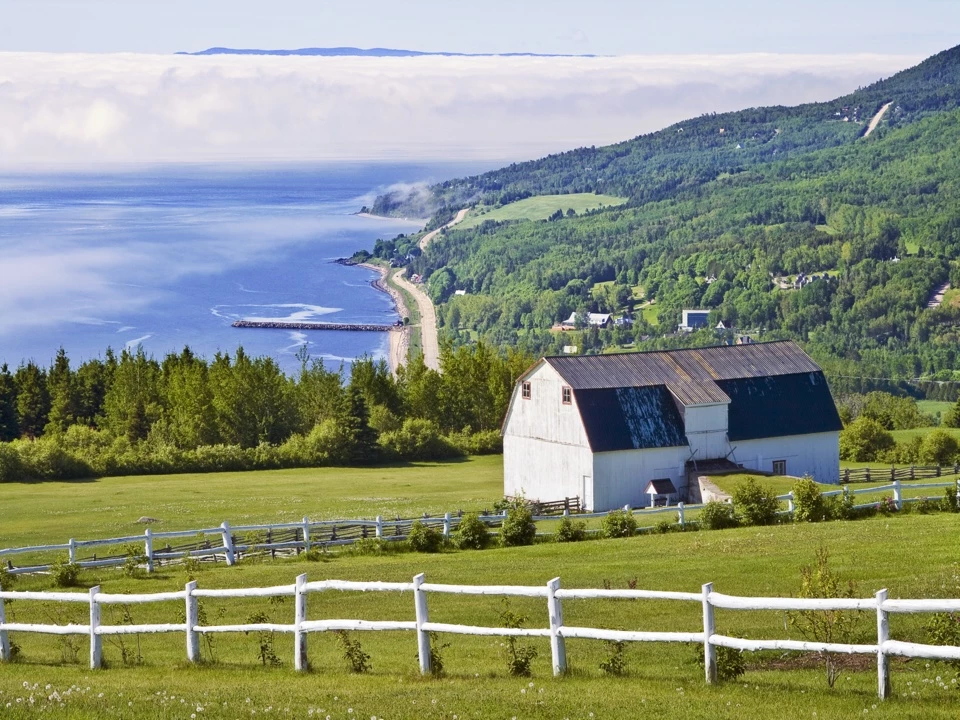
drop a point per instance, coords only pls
(729, 221)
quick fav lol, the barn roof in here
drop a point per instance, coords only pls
(634, 401)
(691, 375)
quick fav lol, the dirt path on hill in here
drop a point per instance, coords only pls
(877, 118)
(428, 320)
(425, 240)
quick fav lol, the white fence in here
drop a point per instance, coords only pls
(307, 534)
(555, 630)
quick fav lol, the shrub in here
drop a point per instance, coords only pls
(717, 516)
(730, 662)
(519, 657)
(571, 531)
(353, 652)
(518, 527)
(809, 504)
(64, 572)
(11, 468)
(923, 506)
(618, 524)
(886, 506)
(436, 654)
(424, 539)
(614, 664)
(938, 447)
(662, 527)
(371, 546)
(948, 503)
(472, 533)
(417, 439)
(483, 442)
(863, 440)
(755, 504)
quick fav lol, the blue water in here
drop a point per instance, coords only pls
(171, 257)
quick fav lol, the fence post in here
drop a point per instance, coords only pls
(306, 535)
(446, 525)
(96, 641)
(227, 542)
(558, 646)
(300, 615)
(423, 637)
(193, 618)
(72, 549)
(883, 660)
(4, 637)
(379, 526)
(790, 505)
(680, 515)
(897, 495)
(148, 548)
(709, 626)
(893, 472)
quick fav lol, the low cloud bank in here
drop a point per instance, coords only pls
(58, 109)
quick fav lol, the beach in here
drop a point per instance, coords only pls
(399, 341)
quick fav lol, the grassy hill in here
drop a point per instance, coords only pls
(539, 208)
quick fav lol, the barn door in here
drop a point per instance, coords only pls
(586, 493)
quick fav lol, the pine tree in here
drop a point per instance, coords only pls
(61, 384)
(33, 401)
(364, 450)
(9, 429)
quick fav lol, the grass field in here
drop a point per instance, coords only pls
(53, 512)
(905, 435)
(937, 408)
(539, 208)
(910, 556)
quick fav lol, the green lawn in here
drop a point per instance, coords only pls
(905, 435)
(53, 512)
(662, 680)
(934, 407)
(539, 208)
(781, 485)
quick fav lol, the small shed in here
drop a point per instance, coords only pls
(662, 492)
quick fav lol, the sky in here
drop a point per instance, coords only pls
(94, 82)
(614, 27)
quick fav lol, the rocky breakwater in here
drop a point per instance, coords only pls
(282, 325)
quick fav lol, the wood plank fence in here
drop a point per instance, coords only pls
(914, 472)
(556, 630)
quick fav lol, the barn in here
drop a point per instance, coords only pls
(630, 429)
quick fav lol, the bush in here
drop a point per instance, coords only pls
(417, 440)
(571, 531)
(755, 504)
(472, 533)
(483, 442)
(730, 662)
(618, 524)
(948, 503)
(424, 539)
(662, 527)
(518, 527)
(353, 652)
(11, 468)
(938, 447)
(809, 504)
(64, 573)
(863, 440)
(717, 516)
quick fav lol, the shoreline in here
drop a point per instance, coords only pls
(399, 341)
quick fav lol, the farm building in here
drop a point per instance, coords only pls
(608, 428)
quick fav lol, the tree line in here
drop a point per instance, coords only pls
(131, 413)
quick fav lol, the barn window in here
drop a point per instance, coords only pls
(567, 395)
(525, 391)
(779, 467)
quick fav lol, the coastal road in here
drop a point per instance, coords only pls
(428, 320)
(425, 240)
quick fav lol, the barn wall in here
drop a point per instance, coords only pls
(817, 455)
(546, 455)
(621, 477)
(706, 428)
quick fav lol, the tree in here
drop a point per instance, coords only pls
(863, 440)
(33, 401)
(61, 385)
(363, 437)
(132, 404)
(188, 401)
(9, 429)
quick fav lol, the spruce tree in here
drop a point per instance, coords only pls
(8, 406)
(33, 401)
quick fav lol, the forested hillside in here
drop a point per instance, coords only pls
(728, 221)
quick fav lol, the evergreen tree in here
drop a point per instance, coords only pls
(33, 401)
(8, 406)
(90, 383)
(188, 401)
(61, 385)
(357, 419)
(132, 404)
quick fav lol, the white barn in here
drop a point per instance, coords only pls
(603, 427)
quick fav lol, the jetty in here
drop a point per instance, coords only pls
(282, 325)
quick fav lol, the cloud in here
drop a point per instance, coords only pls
(59, 109)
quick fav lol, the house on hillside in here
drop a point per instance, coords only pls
(694, 320)
(600, 320)
(604, 427)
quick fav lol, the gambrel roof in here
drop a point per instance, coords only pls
(636, 400)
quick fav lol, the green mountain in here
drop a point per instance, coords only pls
(724, 212)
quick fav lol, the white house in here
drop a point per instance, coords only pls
(595, 319)
(694, 320)
(603, 427)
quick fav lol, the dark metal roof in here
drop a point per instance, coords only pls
(689, 374)
(630, 418)
(660, 487)
(765, 407)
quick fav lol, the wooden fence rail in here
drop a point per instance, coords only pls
(914, 472)
(233, 541)
(556, 630)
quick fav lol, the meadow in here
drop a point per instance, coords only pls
(539, 208)
(911, 556)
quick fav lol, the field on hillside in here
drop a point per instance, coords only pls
(934, 407)
(53, 512)
(539, 208)
(905, 435)
(911, 556)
